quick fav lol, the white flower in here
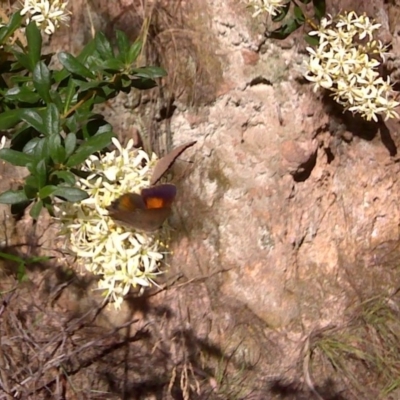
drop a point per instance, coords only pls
(349, 69)
(123, 257)
(271, 7)
(3, 142)
(48, 14)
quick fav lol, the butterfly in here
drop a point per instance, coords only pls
(148, 210)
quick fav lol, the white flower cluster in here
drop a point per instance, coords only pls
(122, 257)
(271, 7)
(48, 14)
(346, 62)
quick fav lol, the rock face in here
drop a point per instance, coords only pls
(275, 194)
(288, 207)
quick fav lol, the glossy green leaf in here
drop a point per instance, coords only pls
(41, 151)
(113, 65)
(42, 81)
(56, 149)
(71, 64)
(103, 46)
(14, 157)
(71, 194)
(36, 209)
(149, 72)
(33, 119)
(41, 173)
(51, 120)
(84, 85)
(89, 147)
(29, 147)
(13, 24)
(319, 9)
(69, 95)
(23, 60)
(87, 51)
(65, 176)
(34, 39)
(70, 144)
(31, 189)
(47, 191)
(22, 94)
(123, 46)
(134, 52)
(56, 99)
(71, 123)
(13, 197)
(8, 119)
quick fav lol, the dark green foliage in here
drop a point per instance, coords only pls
(50, 112)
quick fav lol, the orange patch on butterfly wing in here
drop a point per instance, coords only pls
(160, 196)
(156, 202)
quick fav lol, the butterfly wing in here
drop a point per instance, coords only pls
(160, 196)
(145, 212)
(165, 162)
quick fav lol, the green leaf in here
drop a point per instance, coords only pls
(41, 151)
(113, 65)
(21, 273)
(312, 40)
(66, 176)
(56, 149)
(143, 84)
(13, 24)
(29, 147)
(70, 93)
(21, 94)
(70, 144)
(33, 119)
(123, 46)
(282, 12)
(11, 257)
(31, 187)
(134, 52)
(285, 30)
(36, 209)
(84, 85)
(298, 13)
(319, 9)
(41, 173)
(89, 147)
(52, 120)
(13, 197)
(71, 64)
(56, 98)
(87, 51)
(47, 191)
(23, 60)
(16, 158)
(34, 39)
(8, 119)
(149, 72)
(42, 81)
(71, 194)
(103, 46)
